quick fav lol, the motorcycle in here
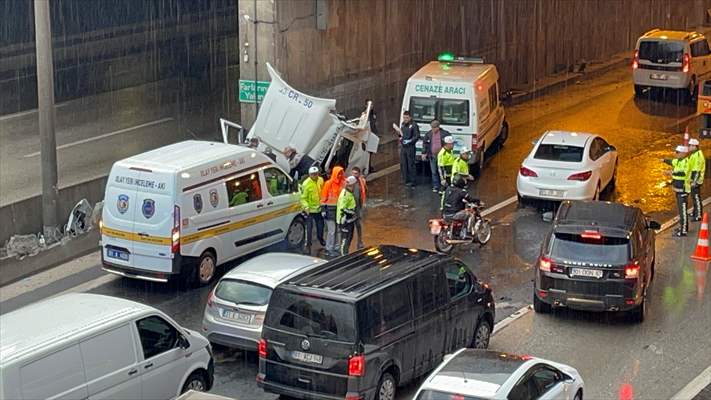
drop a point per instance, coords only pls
(473, 229)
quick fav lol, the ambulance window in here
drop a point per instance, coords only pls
(423, 109)
(244, 189)
(454, 112)
(493, 98)
(277, 182)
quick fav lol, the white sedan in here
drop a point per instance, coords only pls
(474, 374)
(567, 166)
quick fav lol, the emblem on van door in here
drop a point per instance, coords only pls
(214, 200)
(305, 345)
(149, 208)
(122, 203)
(197, 203)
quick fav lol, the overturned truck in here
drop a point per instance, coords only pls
(290, 119)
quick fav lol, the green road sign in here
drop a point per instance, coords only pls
(246, 90)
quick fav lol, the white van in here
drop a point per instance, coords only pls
(87, 346)
(185, 208)
(463, 94)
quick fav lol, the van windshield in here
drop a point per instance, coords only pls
(447, 111)
(606, 250)
(661, 52)
(311, 315)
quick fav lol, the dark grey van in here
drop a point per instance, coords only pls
(360, 325)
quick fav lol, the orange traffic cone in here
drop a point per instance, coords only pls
(702, 246)
(686, 136)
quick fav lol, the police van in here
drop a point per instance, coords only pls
(183, 209)
(463, 94)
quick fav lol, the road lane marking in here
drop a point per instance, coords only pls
(681, 121)
(28, 112)
(510, 319)
(675, 220)
(695, 386)
(104, 136)
(499, 206)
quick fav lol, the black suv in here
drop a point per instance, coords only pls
(358, 326)
(599, 256)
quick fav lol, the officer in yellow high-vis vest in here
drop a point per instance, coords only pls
(698, 170)
(681, 184)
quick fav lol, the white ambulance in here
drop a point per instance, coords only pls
(463, 94)
(185, 208)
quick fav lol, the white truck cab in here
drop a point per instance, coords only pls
(463, 94)
(183, 209)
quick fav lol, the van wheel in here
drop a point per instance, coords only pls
(296, 235)
(691, 91)
(207, 265)
(480, 161)
(482, 334)
(196, 381)
(639, 313)
(638, 90)
(386, 387)
(504, 134)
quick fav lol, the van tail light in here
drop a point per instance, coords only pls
(632, 271)
(686, 65)
(356, 365)
(211, 297)
(635, 60)
(527, 172)
(475, 142)
(262, 348)
(580, 176)
(175, 233)
(544, 264)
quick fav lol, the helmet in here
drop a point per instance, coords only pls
(460, 182)
(693, 142)
(448, 140)
(465, 151)
(682, 149)
(351, 180)
(313, 170)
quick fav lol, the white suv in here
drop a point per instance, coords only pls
(671, 59)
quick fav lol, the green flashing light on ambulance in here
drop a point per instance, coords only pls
(463, 94)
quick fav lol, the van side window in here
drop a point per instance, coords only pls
(700, 48)
(59, 372)
(108, 352)
(277, 182)
(429, 291)
(385, 310)
(244, 189)
(493, 98)
(157, 336)
(458, 280)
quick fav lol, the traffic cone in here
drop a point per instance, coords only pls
(702, 246)
(686, 136)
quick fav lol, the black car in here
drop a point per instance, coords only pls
(358, 326)
(599, 256)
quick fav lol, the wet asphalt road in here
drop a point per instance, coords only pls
(642, 130)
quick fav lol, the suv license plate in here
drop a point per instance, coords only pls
(307, 357)
(117, 254)
(590, 273)
(659, 77)
(550, 192)
(237, 316)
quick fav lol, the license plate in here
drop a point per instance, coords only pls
(550, 192)
(590, 273)
(659, 77)
(307, 357)
(117, 254)
(237, 316)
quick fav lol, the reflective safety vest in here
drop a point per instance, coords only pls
(346, 205)
(460, 167)
(681, 175)
(311, 195)
(698, 165)
(445, 158)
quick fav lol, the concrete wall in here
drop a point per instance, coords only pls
(25, 216)
(371, 47)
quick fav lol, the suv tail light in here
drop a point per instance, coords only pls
(527, 172)
(544, 264)
(356, 365)
(580, 176)
(686, 65)
(632, 271)
(635, 60)
(591, 235)
(175, 233)
(262, 348)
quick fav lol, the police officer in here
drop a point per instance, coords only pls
(698, 170)
(311, 207)
(460, 167)
(445, 160)
(681, 184)
(346, 214)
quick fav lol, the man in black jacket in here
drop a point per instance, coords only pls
(409, 135)
(430, 148)
(453, 202)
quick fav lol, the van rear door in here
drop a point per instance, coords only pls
(118, 214)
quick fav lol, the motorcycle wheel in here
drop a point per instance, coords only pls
(483, 234)
(441, 244)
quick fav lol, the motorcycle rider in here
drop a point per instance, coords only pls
(454, 201)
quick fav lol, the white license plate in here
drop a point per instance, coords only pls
(307, 357)
(590, 273)
(659, 77)
(550, 192)
(237, 316)
(117, 254)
